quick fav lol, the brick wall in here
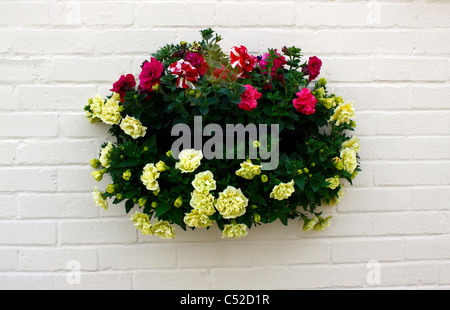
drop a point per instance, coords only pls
(392, 58)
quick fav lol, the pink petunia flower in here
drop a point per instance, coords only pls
(150, 74)
(313, 68)
(198, 62)
(187, 73)
(305, 102)
(277, 63)
(249, 98)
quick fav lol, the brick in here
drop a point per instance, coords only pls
(214, 255)
(290, 252)
(422, 123)
(55, 205)
(157, 14)
(52, 41)
(429, 173)
(27, 179)
(143, 256)
(321, 14)
(108, 280)
(430, 198)
(79, 69)
(395, 274)
(356, 251)
(367, 42)
(7, 100)
(96, 232)
(5, 41)
(24, 69)
(24, 13)
(134, 41)
(30, 97)
(433, 42)
(28, 233)
(375, 200)
(28, 125)
(56, 259)
(385, 148)
(92, 13)
(171, 279)
(26, 281)
(255, 14)
(430, 148)
(428, 248)
(8, 153)
(9, 208)
(56, 152)
(346, 69)
(374, 97)
(8, 259)
(420, 97)
(415, 15)
(399, 69)
(407, 223)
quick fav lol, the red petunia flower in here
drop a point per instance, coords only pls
(150, 74)
(124, 84)
(313, 68)
(239, 57)
(187, 73)
(305, 102)
(249, 97)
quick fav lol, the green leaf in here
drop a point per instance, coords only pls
(258, 199)
(300, 181)
(129, 205)
(176, 215)
(162, 209)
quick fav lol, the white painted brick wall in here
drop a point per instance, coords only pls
(391, 57)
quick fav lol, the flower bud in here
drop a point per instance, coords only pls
(142, 201)
(111, 188)
(95, 163)
(264, 178)
(256, 218)
(126, 175)
(178, 202)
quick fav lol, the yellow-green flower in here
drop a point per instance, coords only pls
(161, 166)
(231, 203)
(323, 224)
(163, 230)
(343, 113)
(142, 222)
(126, 175)
(256, 144)
(149, 177)
(234, 231)
(248, 170)
(110, 112)
(198, 219)
(99, 200)
(352, 143)
(334, 182)
(95, 107)
(104, 155)
(348, 156)
(310, 223)
(98, 175)
(189, 160)
(203, 201)
(133, 127)
(204, 182)
(283, 191)
(335, 200)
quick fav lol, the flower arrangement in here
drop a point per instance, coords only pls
(180, 82)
